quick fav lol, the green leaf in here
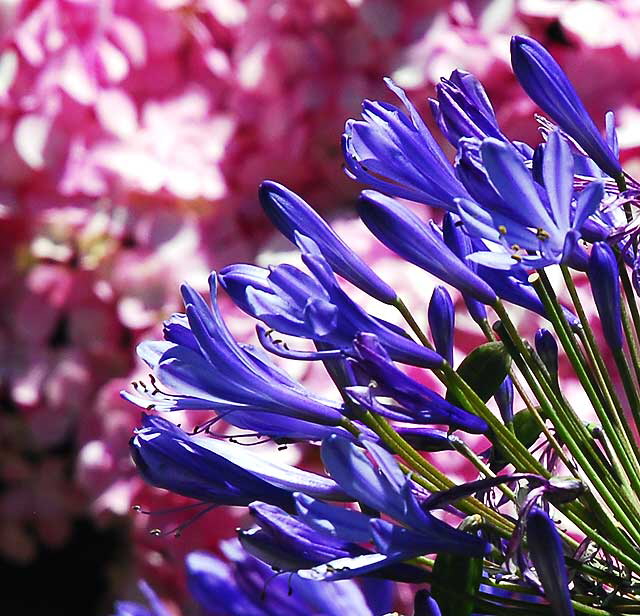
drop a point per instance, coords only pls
(526, 428)
(483, 369)
(456, 580)
(527, 431)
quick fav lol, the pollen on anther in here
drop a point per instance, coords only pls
(502, 230)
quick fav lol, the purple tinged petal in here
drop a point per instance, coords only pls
(290, 213)
(346, 524)
(404, 233)
(587, 202)
(612, 135)
(365, 564)
(351, 469)
(573, 253)
(281, 350)
(513, 181)
(605, 286)
(418, 403)
(441, 316)
(168, 458)
(294, 536)
(460, 244)
(546, 83)
(464, 109)
(439, 500)
(545, 549)
(211, 584)
(557, 170)
(398, 155)
(283, 476)
(399, 542)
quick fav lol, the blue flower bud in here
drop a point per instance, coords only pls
(546, 83)
(547, 349)
(504, 400)
(290, 213)
(605, 285)
(545, 549)
(441, 322)
(404, 233)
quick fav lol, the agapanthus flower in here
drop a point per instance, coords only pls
(379, 380)
(396, 154)
(548, 558)
(215, 471)
(511, 209)
(242, 585)
(198, 357)
(314, 306)
(533, 228)
(291, 214)
(463, 109)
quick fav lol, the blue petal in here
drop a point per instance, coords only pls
(289, 213)
(346, 524)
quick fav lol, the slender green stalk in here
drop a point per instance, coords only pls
(618, 435)
(438, 480)
(630, 388)
(630, 298)
(609, 492)
(408, 317)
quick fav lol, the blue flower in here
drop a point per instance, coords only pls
(244, 586)
(527, 225)
(396, 154)
(386, 489)
(208, 369)
(291, 214)
(315, 306)
(289, 544)
(218, 472)
(380, 381)
(546, 83)
(463, 109)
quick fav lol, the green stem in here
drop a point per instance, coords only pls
(630, 297)
(470, 505)
(618, 435)
(408, 317)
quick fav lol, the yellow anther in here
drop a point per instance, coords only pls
(502, 230)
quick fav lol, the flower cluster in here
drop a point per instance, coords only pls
(550, 522)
